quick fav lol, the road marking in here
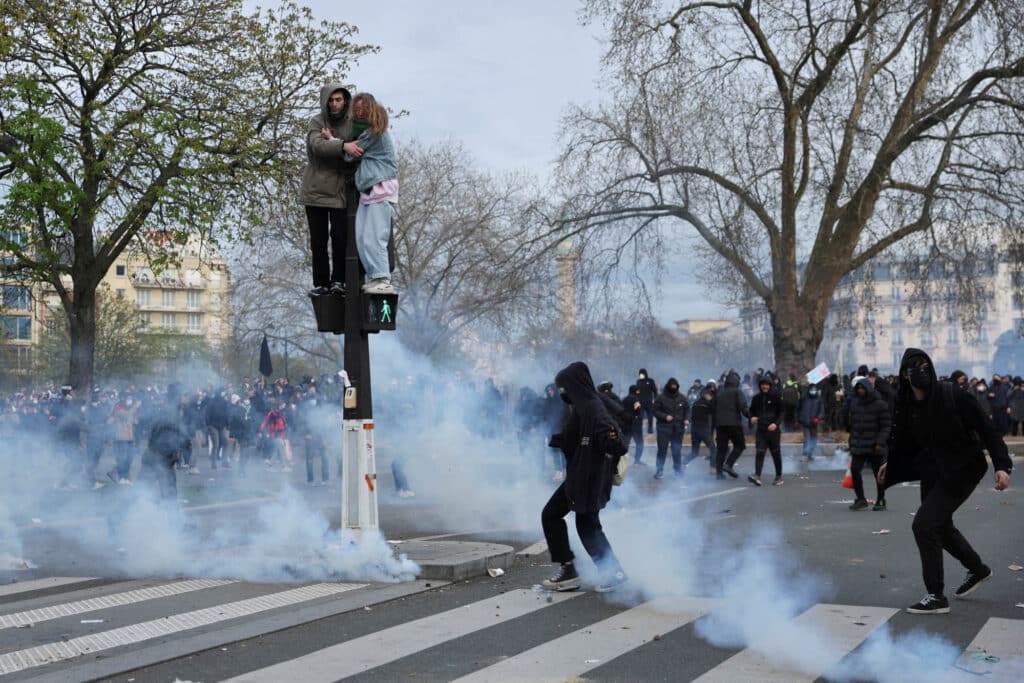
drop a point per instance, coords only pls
(42, 584)
(578, 652)
(67, 609)
(376, 649)
(837, 630)
(538, 548)
(684, 501)
(165, 626)
(1000, 638)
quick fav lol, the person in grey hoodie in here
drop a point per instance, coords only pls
(322, 190)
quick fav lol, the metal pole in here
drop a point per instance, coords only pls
(359, 468)
(285, 358)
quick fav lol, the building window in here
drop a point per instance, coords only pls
(144, 320)
(869, 338)
(926, 339)
(195, 322)
(897, 293)
(952, 337)
(119, 269)
(983, 335)
(17, 298)
(167, 299)
(143, 298)
(950, 311)
(119, 293)
(897, 338)
(192, 299)
(897, 313)
(982, 313)
(167, 321)
(17, 327)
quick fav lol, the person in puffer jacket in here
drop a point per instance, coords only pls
(870, 423)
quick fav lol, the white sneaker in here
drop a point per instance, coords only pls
(381, 285)
(98, 485)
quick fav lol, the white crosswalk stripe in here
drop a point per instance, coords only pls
(134, 633)
(996, 652)
(35, 616)
(841, 628)
(377, 649)
(42, 584)
(573, 655)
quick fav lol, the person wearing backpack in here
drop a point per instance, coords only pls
(938, 438)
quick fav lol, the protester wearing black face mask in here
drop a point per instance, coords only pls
(635, 433)
(938, 438)
(766, 413)
(672, 411)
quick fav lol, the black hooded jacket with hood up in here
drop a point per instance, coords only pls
(870, 420)
(730, 403)
(674, 404)
(935, 439)
(591, 453)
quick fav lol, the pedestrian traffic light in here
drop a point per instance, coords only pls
(379, 312)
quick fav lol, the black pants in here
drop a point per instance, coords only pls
(696, 439)
(666, 438)
(856, 465)
(324, 224)
(637, 436)
(934, 530)
(1016, 426)
(725, 436)
(647, 411)
(588, 526)
(767, 441)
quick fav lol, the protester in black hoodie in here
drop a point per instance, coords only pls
(938, 439)
(648, 391)
(672, 412)
(592, 449)
(766, 415)
(635, 433)
(701, 422)
(730, 407)
(870, 424)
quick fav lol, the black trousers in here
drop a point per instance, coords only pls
(588, 526)
(326, 224)
(647, 411)
(934, 530)
(637, 436)
(667, 438)
(768, 441)
(725, 436)
(696, 439)
(856, 465)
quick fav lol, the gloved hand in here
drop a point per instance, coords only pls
(815, 421)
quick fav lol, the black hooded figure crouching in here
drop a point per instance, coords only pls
(592, 450)
(938, 437)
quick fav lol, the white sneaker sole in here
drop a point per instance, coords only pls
(939, 610)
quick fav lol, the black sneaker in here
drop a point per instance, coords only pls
(930, 604)
(338, 288)
(612, 582)
(659, 475)
(565, 580)
(730, 471)
(778, 481)
(319, 291)
(879, 505)
(754, 480)
(973, 581)
(859, 504)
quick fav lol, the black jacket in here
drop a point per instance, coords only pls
(675, 405)
(767, 408)
(870, 421)
(635, 414)
(955, 434)
(730, 404)
(591, 452)
(648, 388)
(702, 414)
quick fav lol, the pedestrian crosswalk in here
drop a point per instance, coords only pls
(67, 628)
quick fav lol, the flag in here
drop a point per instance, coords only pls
(266, 366)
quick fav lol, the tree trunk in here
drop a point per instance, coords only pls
(82, 326)
(796, 336)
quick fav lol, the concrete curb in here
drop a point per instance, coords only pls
(455, 560)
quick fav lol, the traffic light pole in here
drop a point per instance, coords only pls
(359, 505)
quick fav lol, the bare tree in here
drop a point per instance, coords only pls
(801, 140)
(466, 248)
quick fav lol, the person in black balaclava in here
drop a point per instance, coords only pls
(648, 392)
(730, 406)
(870, 425)
(592, 449)
(766, 414)
(635, 433)
(702, 422)
(672, 411)
(938, 437)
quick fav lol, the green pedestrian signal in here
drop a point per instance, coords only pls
(385, 312)
(379, 312)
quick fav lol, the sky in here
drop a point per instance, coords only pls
(496, 76)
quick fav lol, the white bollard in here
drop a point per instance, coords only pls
(359, 477)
